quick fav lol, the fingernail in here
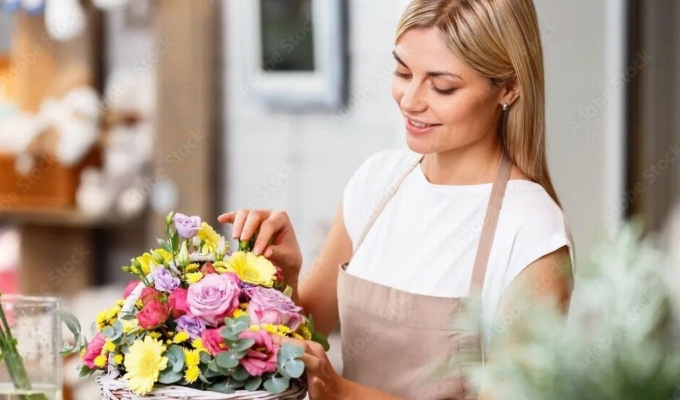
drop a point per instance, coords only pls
(257, 250)
(236, 234)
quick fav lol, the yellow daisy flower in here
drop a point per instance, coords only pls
(143, 363)
(118, 359)
(220, 267)
(239, 313)
(198, 345)
(100, 361)
(129, 325)
(252, 269)
(283, 330)
(155, 335)
(192, 374)
(211, 238)
(192, 357)
(109, 346)
(181, 337)
(193, 267)
(193, 277)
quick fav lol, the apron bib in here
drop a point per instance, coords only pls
(413, 346)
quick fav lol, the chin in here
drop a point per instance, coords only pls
(421, 145)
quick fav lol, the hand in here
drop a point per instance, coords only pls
(276, 238)
(322, 380)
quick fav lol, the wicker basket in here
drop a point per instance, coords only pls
(113, 387)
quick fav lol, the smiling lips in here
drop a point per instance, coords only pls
(419, 128)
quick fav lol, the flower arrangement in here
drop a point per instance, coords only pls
(200, 317)
(621, 339)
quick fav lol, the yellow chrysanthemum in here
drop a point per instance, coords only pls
(147, 262)
(254, 328)
(193, 267)
(118, 359)
(129, 325)
(192, 357)
(100, 361)
(198, 345)
(193, 277)
(210, 238)
(167, 256)
(304, 332)
(109, 346)
(243, 306)
(107, 317)
(139, 304)
(155, 335)
(192, 374)
(270, 328)
(220, 267)
(252, 269)
(283, 330)
(239, 313)
(120, 303)
(181, 337)
(143, 363)
(296, 336)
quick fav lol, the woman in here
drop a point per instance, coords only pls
(422, 227)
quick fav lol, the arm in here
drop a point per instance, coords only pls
(318, 289)
(548, 279)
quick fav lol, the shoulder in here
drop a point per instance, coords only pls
(387, 164)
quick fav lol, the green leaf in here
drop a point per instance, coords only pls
(205, 357)
(109, 332)
(175, 242)
(240, 373)
(253, 383)
(66, 350)
(288, 292)
(85, 371)
(293, 368)
(176, 358)
(236, 383)
(221, 387)
(227, 359)
(165, 245)
(72, 324)
(321, 339)
(276, 385)
(244, 245)
(168, 376)
(241, 345)
(289, 352)
(234, 327)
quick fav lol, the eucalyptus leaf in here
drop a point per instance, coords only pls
(253, 383)
(241, 345)
(293, 368)
(109, 332)
(176, 354)
(221, 387)
(276, 385)
(240, 373)
(236, 383)
(72, 324)
(227, 359)
(168, 376)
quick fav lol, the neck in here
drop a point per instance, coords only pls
(469, 165)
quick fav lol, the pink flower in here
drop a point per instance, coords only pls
(129, 288)
(177, 301)
(269, 306)
(262, 360)
(94, 350)
(153, 315)
(208, 268)
(213, 341)
(213, 298)
(149, 295)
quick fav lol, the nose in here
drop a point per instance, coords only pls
(412, 100)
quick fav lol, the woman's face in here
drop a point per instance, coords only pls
(433, 87)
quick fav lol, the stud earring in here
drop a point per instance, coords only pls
(505, 106)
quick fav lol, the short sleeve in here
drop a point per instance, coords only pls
(542, 234)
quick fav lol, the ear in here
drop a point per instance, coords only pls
(509, 91)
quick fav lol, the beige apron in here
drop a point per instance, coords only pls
(409, 345)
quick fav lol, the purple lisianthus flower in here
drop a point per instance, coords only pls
(187, 227)
(269, 306)
(191, 325)
(163, 280)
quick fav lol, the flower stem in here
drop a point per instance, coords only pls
(13, 360)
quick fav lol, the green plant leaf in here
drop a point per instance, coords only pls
(253, 383)
(276, 385)
(293, 368)
(227, 359)
(289, 352)
(176, 358)
(72, 324)
(168, 376)
(321, 339)
(205, 358)
(165, 245)
(221, 387)
(109, 332)
(85, 371)
(175, 242)
(240, 373)
(236, 383)
(288, 291)
(241, 345)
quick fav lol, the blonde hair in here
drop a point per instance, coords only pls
(499, 39)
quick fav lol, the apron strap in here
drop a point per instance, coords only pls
(491, 222)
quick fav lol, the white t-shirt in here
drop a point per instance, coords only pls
(426, 238)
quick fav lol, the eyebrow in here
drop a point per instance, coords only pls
(432, 74)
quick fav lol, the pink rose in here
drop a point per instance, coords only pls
(269, 306)
(208, 268)
(153, 315)
(177, 301)
(213, 298)
(213, 341)
(94, 350)
(149, 295)
(262, 360)
(129, 288)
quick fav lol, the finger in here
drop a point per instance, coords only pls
(278, 255)
(239, 220)
(253, 223)
(267, 230)
(312, 363)
(227, 218)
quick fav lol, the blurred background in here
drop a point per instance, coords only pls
(115, 112)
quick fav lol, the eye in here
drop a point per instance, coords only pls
(444, 91)
(402, 75)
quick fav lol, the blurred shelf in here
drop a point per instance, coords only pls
(61, 217)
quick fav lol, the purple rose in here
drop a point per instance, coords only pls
(269, 306)
(187, 227)
(213, 298)
(163, 280)
(191, 325)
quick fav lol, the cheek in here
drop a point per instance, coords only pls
(397, 90)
